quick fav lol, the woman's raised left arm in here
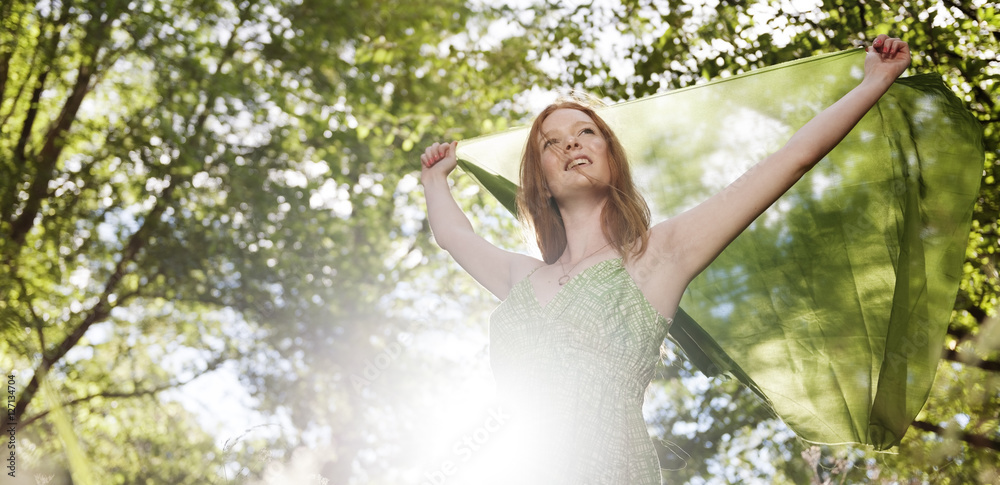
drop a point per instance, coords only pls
(886, 60)
(695, 243)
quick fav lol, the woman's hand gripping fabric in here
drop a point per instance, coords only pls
(887, 58)
(439, 158)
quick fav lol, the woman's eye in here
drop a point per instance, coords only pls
(587, 131)
(547, 144)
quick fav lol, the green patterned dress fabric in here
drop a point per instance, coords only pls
(572, 375)
(833, 305)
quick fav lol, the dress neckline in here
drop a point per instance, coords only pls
(534, 293)
(529, 288)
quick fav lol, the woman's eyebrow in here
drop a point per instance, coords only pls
(545, 135)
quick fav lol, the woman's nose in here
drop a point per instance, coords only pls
(572, 142)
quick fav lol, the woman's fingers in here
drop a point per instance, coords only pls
(430, 156)
(888, 46)
(879, 41)
(436, 153)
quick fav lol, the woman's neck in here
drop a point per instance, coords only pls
(584, 232)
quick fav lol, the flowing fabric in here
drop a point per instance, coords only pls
(833, 305)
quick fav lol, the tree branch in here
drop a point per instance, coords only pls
(970, 360)
(55, 137)
(45, 49)
(214, 364)
(20, 151)
(7, 52)
(976, 440)
(49, 155)
(102, 308)
(36, 320)
(8, 48)
(968, 12)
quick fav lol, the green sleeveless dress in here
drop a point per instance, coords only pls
(572, 375)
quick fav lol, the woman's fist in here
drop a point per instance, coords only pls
(439, 158)
(887, 58)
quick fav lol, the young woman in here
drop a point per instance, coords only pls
(576, 339)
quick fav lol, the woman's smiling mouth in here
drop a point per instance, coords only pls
(578, 161)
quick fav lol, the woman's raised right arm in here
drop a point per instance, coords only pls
(494, 268)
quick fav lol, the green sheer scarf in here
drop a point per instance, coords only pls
(833, 305)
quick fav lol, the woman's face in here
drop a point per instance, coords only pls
(574, 153)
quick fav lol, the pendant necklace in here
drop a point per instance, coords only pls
(565, 277)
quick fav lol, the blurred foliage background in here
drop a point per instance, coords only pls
(201, 188)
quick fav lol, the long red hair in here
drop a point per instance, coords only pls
(625, 217)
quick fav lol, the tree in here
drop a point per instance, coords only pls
(189, 183)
